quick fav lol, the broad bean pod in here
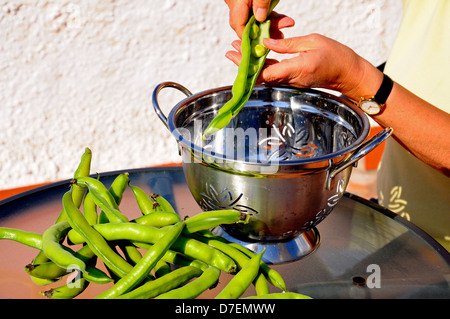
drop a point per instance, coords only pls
(241, 259)
(161, 268)
(113, 213)
(30, 239)
(193, 289)
(98, 186)
(181, 260)
(50, 270)
(69, 290)
(271, 274)
(55, 251)
(162, 204)
(253, 56)
(148, 234)
(118, 187)
(144, 201)
(163, 284)
(82, 169)
(280, 295)
(95, 241)
(211, 219)
(96, 276)
(90, 209)
(158, 219)
(109, 204)
(242, 280)
(146, 264)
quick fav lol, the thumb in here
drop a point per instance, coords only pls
(288, 45)
(261, 9)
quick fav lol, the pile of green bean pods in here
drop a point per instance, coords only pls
(254, 55)
(157, 255)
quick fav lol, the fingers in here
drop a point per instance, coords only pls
(294, 45)
(278, 22)
(287, 71)
(238, 16)
(234, 57)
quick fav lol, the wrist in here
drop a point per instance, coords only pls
(367, 83)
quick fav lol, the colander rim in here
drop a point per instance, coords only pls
(365, 125)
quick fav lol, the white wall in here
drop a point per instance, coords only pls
(81, 73)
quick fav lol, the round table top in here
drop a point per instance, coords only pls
(365, 251)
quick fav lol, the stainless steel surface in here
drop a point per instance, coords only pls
(285, 159)
(360, 240)
(278, 252)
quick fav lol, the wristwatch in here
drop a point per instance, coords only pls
(375, 104)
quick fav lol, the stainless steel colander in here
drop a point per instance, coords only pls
(285, 159)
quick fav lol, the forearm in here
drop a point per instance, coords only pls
(420, 127)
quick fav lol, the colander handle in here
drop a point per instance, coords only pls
(158, 89)
(359, 153)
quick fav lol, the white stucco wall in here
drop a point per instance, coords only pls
(81, 73)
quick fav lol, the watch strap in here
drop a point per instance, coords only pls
(385, 89)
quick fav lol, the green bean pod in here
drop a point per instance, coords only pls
(158, 219)
(30, 239)
(211, 219)
(224, 115)
(95, 241)
(271, 274)
(242, 280)
(83, 169)
(55, 251)
(253, 56)
(257, 60)
(108, 201)
(241, 259)
(39, 259)
(96, 276)
(261, 285)
(161, 268)
(113, 213)
(90, 209)
(144, 201)
(69, 290)
(98, 186)
(50, 270)
(181, 260)
(194, 288)
(148, 234)
(42, 281)
(163, 284)
(280, 295)
(146, 264)
(118, 187)
(162, 204)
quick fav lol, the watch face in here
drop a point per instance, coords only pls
(370, 107)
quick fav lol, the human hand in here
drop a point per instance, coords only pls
(239, 14)
(318, 62)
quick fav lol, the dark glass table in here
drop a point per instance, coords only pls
(365, 251)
